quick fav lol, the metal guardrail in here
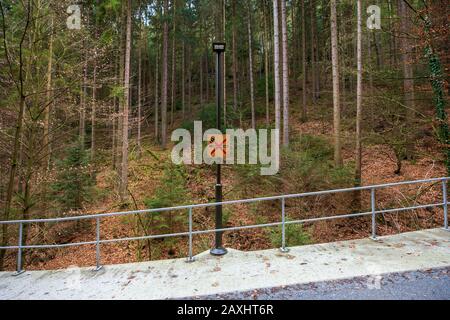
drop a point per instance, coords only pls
(98, 241)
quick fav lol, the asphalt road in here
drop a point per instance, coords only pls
(418, 285)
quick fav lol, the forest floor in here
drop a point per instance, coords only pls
(147, 171)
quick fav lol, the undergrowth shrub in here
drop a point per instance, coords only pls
(295, 236)
(75, 181)
(170, 192)
(309, 165)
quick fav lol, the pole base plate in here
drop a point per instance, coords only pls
(18, 273)
(190, 260)
(218, 252)
(98, 268)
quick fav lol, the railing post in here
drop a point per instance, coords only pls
(374, 222)
(283, 226)
(19, 252)
(97, 246)
(191, 257)
(445, 196)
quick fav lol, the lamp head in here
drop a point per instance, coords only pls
(219, 47)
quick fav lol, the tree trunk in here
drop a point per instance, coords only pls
(379, 45)
(294, 42)
(336, 92)
(157, 95)
(377, 49)
(313, 50)
(224, 9)
(358, 166)
(114, 134)
(408, 75)
(305, 111)
(276, 59)
(342, 47)
(172, 101)
(391, 36)
(207, 78)
(183, 80)
(139, 97)
(235, 85)
(285, 74)
(266, 65)
(121, 67)
(317, 60)
(27, 202)
(201, 65)
(48, 102)
(164, 76)
(94, 105)
(83, 102)
(340, 18)
(250, 64)
(369, 70)
(189, 74)
(126, 107)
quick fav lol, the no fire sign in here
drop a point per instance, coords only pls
(217, 146)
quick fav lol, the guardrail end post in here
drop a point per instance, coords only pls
(98, 268)
(191, 258)
(97, 246)
(283, 248)
(445, 204)
(374, 214)
(19, 252)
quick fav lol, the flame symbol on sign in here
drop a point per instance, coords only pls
(218, 148)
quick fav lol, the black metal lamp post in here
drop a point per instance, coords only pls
(219, 49)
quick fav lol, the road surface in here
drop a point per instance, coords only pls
(417, 285)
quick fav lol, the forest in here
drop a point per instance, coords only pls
(92, 90)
